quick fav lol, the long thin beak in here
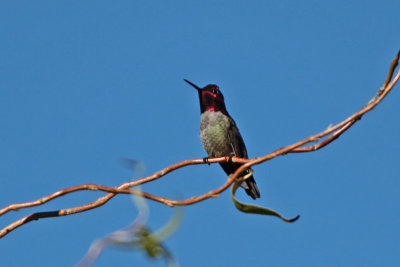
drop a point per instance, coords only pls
(192, 84)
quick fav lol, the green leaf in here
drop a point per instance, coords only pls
(247, 208)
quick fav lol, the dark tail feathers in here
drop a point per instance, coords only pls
(249, 184)
(250, 187)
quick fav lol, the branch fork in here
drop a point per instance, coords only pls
(331, 133)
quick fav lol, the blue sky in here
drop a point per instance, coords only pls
(87, 82)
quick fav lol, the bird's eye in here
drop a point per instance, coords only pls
(215, 91)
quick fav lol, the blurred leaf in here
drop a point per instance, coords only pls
(137, 166)
(138, 236)
(171, 226)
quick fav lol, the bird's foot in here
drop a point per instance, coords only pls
(230, 157)
(205, 160)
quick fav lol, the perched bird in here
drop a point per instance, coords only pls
(219, 134)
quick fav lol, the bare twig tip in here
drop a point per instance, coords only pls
(333, 132)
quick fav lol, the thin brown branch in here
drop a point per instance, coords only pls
(331, 134)
(393, 66)
(123, 188)
(327, 141)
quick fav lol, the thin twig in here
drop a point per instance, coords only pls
(332, 132)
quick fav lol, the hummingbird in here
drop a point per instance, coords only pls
(219, 134)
